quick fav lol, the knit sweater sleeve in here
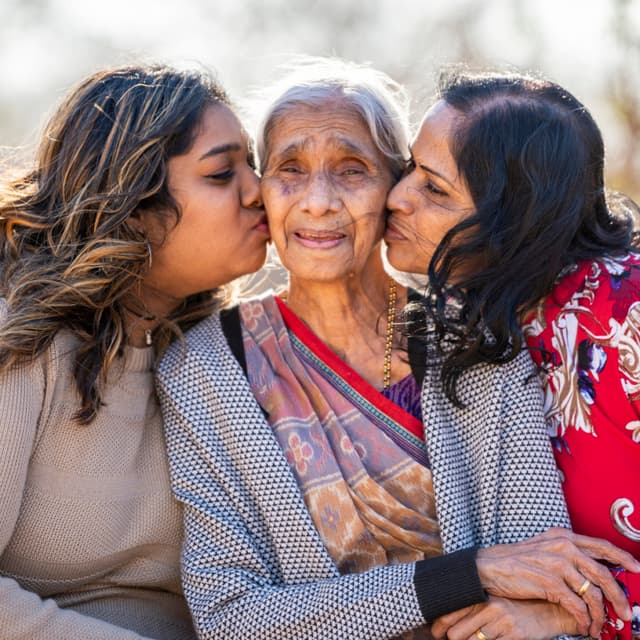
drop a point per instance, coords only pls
(23, 614)
(253, 563)
(530, 498)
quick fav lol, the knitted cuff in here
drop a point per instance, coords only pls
(448, 583)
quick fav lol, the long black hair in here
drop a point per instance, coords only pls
(533, 160)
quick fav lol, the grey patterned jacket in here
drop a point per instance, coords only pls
(253, 563)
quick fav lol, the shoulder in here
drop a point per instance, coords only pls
(199, 342)
(55, 359)
(600, 283)
(598, 290)
(516, 372)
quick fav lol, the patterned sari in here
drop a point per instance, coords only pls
(359, 459)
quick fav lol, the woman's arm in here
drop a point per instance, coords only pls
(235, 584)
(23, 614)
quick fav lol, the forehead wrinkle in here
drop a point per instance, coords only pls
(334, 142)
(342, 143)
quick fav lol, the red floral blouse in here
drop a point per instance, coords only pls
(585, 338)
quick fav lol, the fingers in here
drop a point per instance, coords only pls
(498, 618)
(604, 550)
(601, 578)
(440, 626)
(515, 620)
(595, 547)
(466, 628)
(593, 600)
(579, 608)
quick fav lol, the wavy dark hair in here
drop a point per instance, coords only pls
(532, 157)
(69, 252)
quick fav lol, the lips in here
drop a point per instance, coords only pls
(319, 238)
(262, 224)
(392, 232)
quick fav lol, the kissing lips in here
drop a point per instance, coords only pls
(262, 225)
(319, 239)
(392, 233)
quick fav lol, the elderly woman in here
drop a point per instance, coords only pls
(316, 504)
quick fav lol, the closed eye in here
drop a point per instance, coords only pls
(222, 176)
(436, 191)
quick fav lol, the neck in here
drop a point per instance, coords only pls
(335, 303)
(143, 314)
(350, 316)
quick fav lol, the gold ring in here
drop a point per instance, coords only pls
(583, 589)
(481, 635)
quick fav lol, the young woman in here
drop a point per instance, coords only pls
(504, 206)
(110, 246)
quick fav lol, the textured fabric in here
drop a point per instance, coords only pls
(89, 531)
(254, 563)
(406, 394)
(451, 572)
(494, 475)
(370, 501)
(585, 339)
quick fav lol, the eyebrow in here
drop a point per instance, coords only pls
(223, 148)
(424, 167)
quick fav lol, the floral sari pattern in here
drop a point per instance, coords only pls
(359, 459)
(585, 339)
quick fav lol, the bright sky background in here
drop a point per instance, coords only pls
(47, 45)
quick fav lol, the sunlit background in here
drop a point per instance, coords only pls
(592, 47)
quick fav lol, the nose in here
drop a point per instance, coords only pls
(399, 200)
(250, 195)
(320, 196)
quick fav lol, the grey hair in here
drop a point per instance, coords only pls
(381, 102)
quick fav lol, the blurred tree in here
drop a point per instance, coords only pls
(46, 45)
(624, 88)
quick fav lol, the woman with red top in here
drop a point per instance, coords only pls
(585, 338)
(504, 206)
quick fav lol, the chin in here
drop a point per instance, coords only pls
(254, 261)
(401, 262)
(398, 265)
(260, 259)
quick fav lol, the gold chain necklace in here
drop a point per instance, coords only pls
(388, 344)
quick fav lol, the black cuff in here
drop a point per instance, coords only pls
(448, 583)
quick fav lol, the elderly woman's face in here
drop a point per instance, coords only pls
(324, 187)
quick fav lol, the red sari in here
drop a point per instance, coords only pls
(585, 338)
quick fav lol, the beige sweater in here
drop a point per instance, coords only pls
(89, 532)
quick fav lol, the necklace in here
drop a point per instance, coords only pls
(147, 317)
(388, 343)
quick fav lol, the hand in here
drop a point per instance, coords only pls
(553, 566)
(503, 618)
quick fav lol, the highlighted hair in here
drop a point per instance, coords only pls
(68, 249)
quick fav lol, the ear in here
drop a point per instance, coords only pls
(137, 221)
(148, 224)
